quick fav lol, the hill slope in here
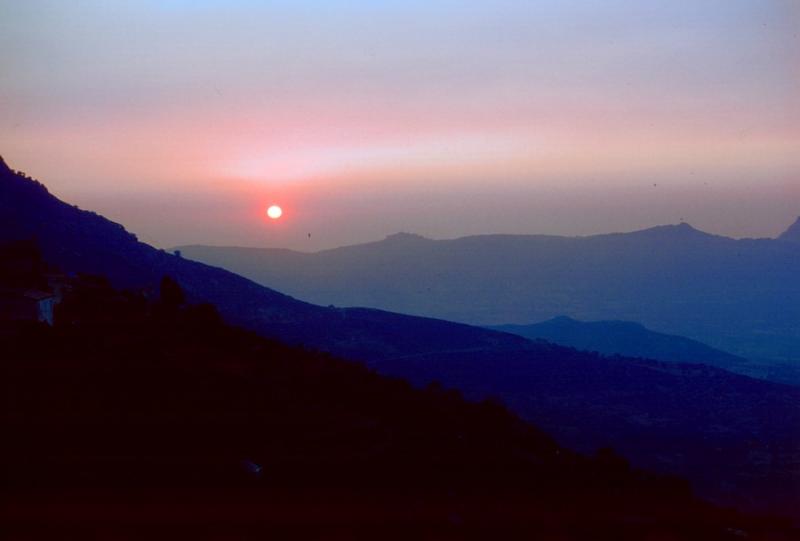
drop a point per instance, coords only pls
(634, 340)
(623, 338)
(741, 296)
(716, 428)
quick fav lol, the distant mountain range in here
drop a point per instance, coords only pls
(736, 438)
(634, 340)
(741, 296)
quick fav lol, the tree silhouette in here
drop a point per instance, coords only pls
(171, 294)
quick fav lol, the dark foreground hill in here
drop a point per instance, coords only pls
(634, 340)
(741, 296)
(133, 418)
(736, 438)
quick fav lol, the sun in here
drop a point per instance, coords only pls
(274, 212)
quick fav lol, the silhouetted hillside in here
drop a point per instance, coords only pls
(740, 296)
(136, 415)
(634, 340)
(751, 424)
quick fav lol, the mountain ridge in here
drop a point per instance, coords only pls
(737, 295)
(665, 230)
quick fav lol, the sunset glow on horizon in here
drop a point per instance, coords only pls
(443, 118)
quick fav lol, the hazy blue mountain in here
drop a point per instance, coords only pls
(741, 296)
(740, 447)
(623, 338)
(634, 340)
(792, 234)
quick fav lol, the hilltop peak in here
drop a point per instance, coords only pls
(792, 234)
(566, 321)
(682, 227)
(404, 237)
(680, 230)
(562, 319)
(16, 183)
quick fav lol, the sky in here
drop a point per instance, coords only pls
(185, 119)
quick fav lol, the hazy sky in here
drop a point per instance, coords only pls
(184, 119)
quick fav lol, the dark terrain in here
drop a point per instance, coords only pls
(164, 422)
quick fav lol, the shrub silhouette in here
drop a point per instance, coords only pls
(171, 294)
